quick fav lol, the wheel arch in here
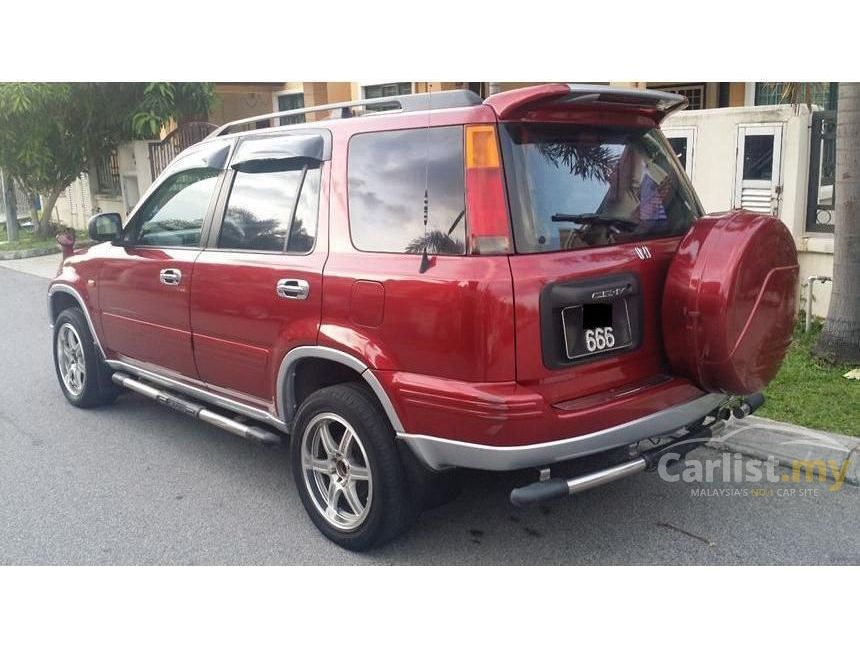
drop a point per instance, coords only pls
(62, 296)
(289, 395)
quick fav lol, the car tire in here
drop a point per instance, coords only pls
(83, 375)
(347, 468)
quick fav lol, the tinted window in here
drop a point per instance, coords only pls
(758, 156)
(388, 173)
(576, 186)
(261, 207)
(679, 147)
(174, 214)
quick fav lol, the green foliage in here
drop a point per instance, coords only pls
(812, 392)
(51, 132)
(797, 94)
(164, 101)
(27, 240)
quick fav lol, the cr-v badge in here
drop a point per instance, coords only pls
(610, 293)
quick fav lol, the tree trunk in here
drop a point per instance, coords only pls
(41, 224)
(840, 338)
(7, 185)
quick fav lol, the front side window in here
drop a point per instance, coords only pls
(273, 207)
(579, 186)
(390, 176)
(174, 214)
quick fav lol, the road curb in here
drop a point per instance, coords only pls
(22, 254)
(763, 438)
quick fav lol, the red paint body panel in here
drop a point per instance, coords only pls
(509, 104)
(730, 302)
(453, 321)
(533, 272)
(546, 103)
(242, 328)
(142, 318)
(512, 414)
(80, 272)
(367, 303)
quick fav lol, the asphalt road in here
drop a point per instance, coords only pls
(135, 483)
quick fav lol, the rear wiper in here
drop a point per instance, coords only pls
(593, 218)
(568, 217)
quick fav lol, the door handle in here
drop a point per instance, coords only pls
(293, 289)
(170, 277)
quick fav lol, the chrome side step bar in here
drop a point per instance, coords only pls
(197, 411)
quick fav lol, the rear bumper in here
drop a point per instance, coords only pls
(438, 453)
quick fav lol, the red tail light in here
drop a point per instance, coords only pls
(489, 226)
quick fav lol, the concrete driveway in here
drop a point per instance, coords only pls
(138, 484)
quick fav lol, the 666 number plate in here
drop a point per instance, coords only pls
(599, 338)
(594, 328)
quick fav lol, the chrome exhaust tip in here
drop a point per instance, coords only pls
(749, 405)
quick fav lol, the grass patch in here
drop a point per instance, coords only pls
(812, 392)
(26, 240)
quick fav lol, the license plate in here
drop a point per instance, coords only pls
(596, 328)
(598, 339)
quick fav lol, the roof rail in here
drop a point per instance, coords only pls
(386, 104)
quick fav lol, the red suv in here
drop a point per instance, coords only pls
(417, 284)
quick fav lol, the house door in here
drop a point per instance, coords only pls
(758, 183)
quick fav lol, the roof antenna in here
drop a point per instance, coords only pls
(425, 260)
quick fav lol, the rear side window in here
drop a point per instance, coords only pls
(272, 207)
(388, 175)
(576, 187)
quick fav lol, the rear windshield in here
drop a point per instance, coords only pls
(575, 187)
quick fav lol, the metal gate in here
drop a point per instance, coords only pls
(821, 195)
(161, 153)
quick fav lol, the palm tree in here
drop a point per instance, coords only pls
(589, 161)
(436, 243)
(840, 338)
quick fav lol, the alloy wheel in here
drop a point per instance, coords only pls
(70, 359)
(336, 471)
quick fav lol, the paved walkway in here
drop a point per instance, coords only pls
(789, 444)
(44, 266)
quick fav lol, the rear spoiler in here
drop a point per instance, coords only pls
(554, 96)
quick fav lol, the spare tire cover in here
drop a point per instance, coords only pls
(729, 302)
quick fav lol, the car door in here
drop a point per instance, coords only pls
(257, 288)
(145, 281)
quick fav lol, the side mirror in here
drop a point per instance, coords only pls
(105, 227)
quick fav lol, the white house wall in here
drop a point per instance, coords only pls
(714, 171)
